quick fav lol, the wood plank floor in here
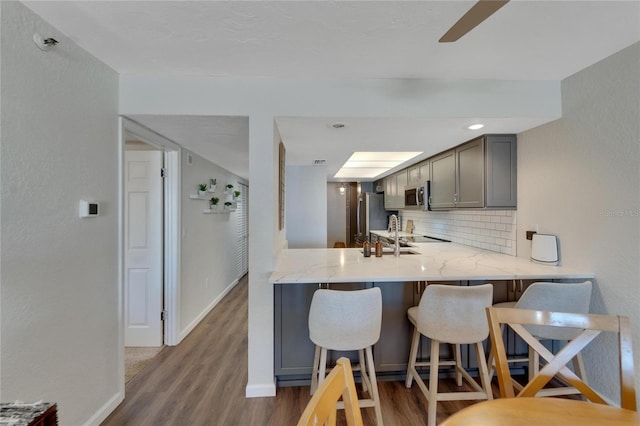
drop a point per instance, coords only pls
(202, 382)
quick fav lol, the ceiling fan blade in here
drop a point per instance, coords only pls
(478, 13)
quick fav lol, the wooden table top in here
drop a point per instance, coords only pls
(541, 411)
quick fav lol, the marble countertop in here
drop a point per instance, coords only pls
(435, 262)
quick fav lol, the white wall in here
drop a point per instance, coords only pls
(59, 273)
(209, 243)
(266, 239)
(336, 214)
(579, 178)
(306, 206)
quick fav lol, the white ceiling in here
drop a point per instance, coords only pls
(317, 140)
(222, 140)
(525, 40)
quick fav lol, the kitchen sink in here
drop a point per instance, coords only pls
(389, 251)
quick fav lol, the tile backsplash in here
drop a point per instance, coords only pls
(493, 230)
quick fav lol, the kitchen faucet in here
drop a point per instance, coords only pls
(393, 224)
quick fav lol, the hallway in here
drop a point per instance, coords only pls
(202, 382)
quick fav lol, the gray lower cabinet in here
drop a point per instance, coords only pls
(294, 351)
(391, 353)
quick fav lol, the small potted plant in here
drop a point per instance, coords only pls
(214, 203)
(228, 188)
(227, 205)
(236, 195)
(202, 189)
(212, 185)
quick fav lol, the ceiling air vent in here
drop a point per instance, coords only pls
(319, 162)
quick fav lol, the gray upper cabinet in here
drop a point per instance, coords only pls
(501, 171)
(390, 192)
(394, 187)
(424, 172)
(413, 175)
(470, 174)
(479, 173)
(443, 180)
(417, 174)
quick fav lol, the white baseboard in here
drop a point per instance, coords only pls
(184, 333)
(105, 410)
(261, 390)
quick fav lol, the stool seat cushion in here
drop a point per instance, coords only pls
(345, 320)
(555, 297)
(454, 314)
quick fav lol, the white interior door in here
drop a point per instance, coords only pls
(143, 245)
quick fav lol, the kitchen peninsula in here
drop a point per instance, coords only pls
(433, 262)
(300, 272)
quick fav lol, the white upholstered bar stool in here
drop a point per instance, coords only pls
(556, 297)
(456, 315)
(347, 321)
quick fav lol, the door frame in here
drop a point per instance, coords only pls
(171, 185)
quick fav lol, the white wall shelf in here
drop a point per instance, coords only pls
(200, 197)
(195, 196)
(211, 211)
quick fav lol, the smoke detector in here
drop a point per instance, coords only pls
(44, 43)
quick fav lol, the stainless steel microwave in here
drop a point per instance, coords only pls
(414, 197)
(418, 197)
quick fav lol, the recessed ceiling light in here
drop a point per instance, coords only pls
(372, 164)
(475, 126)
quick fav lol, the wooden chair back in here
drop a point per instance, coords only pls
(322, 409)
(591, 326)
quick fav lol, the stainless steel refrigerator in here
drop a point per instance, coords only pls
(370, 215)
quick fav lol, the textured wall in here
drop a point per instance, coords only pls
(578, 177)
(306, 206)
(336, 214)
(59, 272)
(209, 242)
